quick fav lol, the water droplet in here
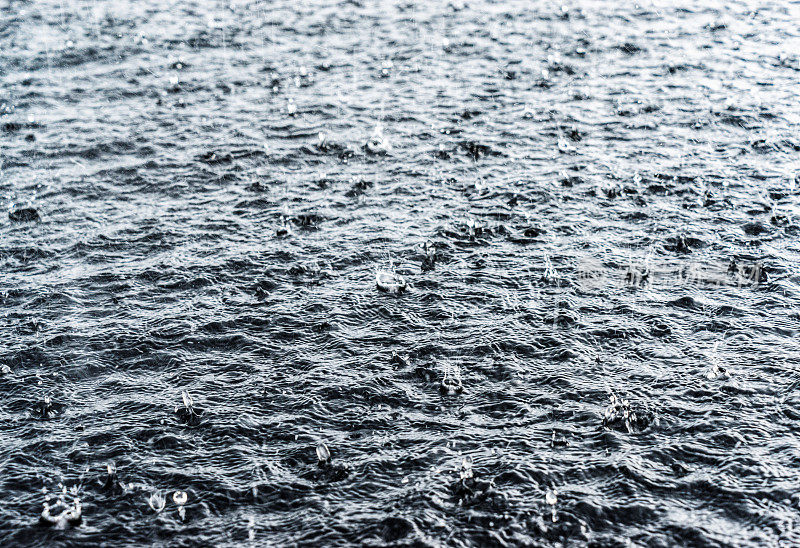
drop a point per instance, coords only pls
(323, 453)
(251, 525)
(390, 282)
(157, 501)
(466, 468)
(451, 381)
(180, 497)
(188, 403)
(377, 142)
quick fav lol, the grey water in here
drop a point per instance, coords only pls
(399, 273)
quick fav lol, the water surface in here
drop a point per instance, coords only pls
(199, 195)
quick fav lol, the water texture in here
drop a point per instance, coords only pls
(584, 217)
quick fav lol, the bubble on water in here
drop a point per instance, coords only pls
(180, 497)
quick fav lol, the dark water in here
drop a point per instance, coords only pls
(199, 195)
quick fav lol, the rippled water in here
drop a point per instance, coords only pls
(593, 208)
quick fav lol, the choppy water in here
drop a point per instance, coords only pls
(599, 345)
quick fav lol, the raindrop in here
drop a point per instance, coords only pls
(390, 281)
(323, 453)
(475, 228)
(377, 142)
(451, 382)
(111, 482)
(188, 403)
(251, 528)
(180, 497)
(550, 274)
(157, 502)
(466, 468)
(429, 261)
(61, 514)
(188, 413)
